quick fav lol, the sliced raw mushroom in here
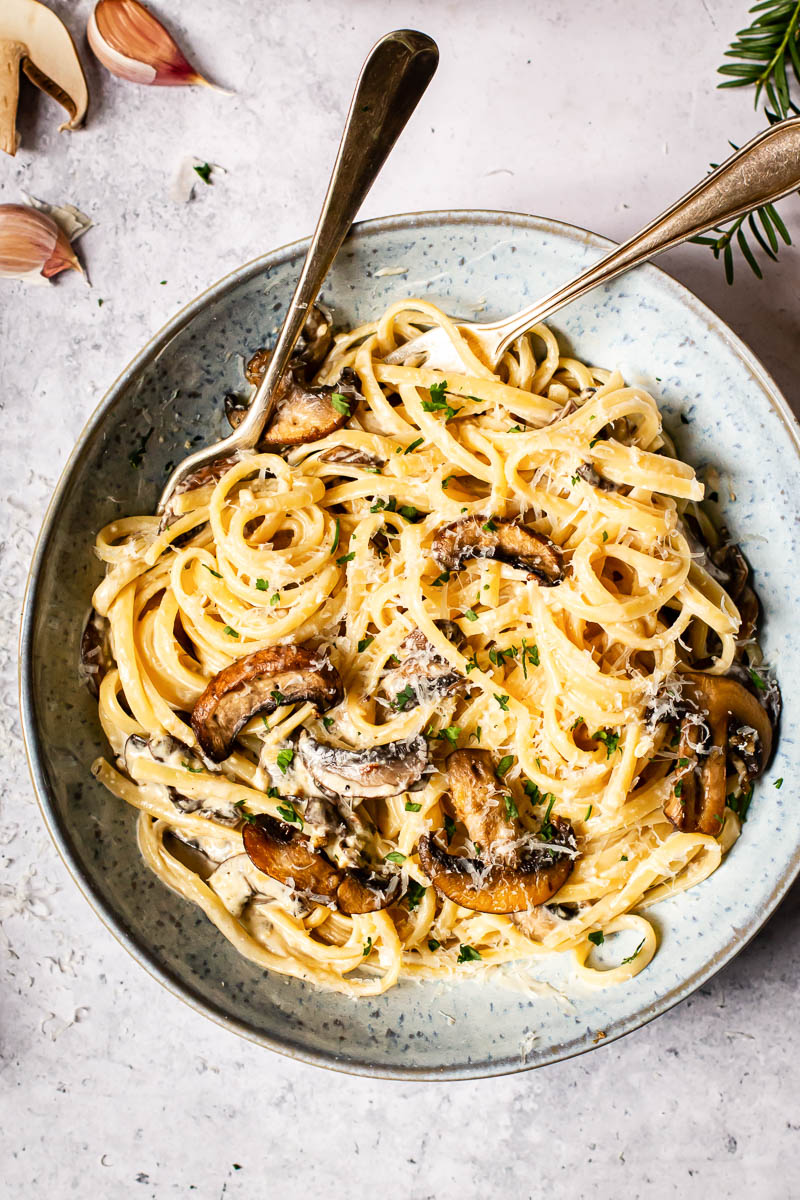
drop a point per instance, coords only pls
(377, 772)
(286, 854)
(534, 879)
(96, 657)
(260, 683)
(514, 872)
(474, 537)
(422, 675)
(33, 38)
(719, 704)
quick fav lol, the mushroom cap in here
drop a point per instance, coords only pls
(472, 537)
(499, 888)
(377, 772)
(261, 682)
(424, 671)
(285, 854)
(306, 414)
(477, 800)
(364, 891)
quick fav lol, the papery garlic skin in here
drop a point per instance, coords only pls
(133, 45)
(32, 245)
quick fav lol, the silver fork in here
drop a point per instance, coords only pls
(394, 76)
(767, 168)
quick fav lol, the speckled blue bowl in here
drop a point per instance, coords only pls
(660, 336)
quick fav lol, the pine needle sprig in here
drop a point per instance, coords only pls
(767, 55)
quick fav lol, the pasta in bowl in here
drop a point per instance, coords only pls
(454, 668)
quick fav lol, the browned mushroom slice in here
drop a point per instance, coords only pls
(697, 802)
(285, 854)
(377, 772)
(261, 682)
(422, 675)
(749, 612)
(306, 414)
(732, 568)
(477, 800)
(474, 537)
(352, 456)
(491, 888)
(209, 473)
(365, 891)
(310, 350)
(96, 658)
(592, 476)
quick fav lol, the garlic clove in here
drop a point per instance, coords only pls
(33, 38)
(32, 245)
(133, 44)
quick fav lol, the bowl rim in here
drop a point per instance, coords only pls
(59, 831)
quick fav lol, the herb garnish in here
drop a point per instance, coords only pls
(631, 957)
(262, 585)
(449, 828)
(505, 764)
(757, 680)
(609, 739)
(433, 944)
(512, 812)
(467, 953)
(367, 947)
(395, 857)
(204, 171)
(335, 545)
(284, 759)
(367, 640)
(502, 701)
(597, 937)
(405, 696)
(414, 894)
(410, 806)
(345, 558)
(471, 615)
(288, 813)
(413, 446)
(340, 403)
(230, 631)
(194, 770)
(243, 813)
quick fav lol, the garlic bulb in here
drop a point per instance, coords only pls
(132, 44)
(32, 245)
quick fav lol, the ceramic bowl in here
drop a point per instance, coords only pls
(488, 263)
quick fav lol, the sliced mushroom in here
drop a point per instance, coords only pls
(352, 456)
(209, 473)
(304, 414)
(472, 537)
(534, 879)
(236, 881)
(697, 800)
(310, 350)
(34, 38)
(96, 657)
(422, 675)
(377, 772)
(592, 476)
(732, 568)
(260, 683)
(477, 800)
(512, 873)
(287, 855)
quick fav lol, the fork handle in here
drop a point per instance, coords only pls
(393, 79)
(765, 169)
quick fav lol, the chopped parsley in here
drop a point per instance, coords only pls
(631, 957)
(623, 858)
(243, 813)
(367, 947)
(489, 527)
(437, 402)
(505, 764)
(194, 770)
(740, 803)
(414, 894)
(275, 598)
(365, 641)
(530, 789)
(778, 783)
(467, 953)
(340, 403)
(211, 571)
(396, 857)
(406, 696)
(327, 722)
(610, 740)
(288, 813)
(442, 579)
(381, 505)
(433, 945)
(678, 787)
(335, 545)
(449, 828)
(476, 734)
(414, 445)
(596, 937)
(515, 429)
(135, 458)
(410, 513)
(204, 171)
(512, 812)
(757, 680)
(412, 807)
(588, 812)
(230, 631)
(445, 484)
(261, 584)
(284, 759)
(605, 536)
(683, 762)
(502, 701)
(278, 697)
(578, 721)
(450, 733)
(471, 615)
(345, 558)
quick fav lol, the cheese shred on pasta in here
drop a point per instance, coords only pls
(561, 684)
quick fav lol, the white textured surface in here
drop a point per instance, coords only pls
(599, 113)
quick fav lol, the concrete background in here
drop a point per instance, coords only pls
(597, 112)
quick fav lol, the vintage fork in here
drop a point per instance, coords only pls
(763, 171)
